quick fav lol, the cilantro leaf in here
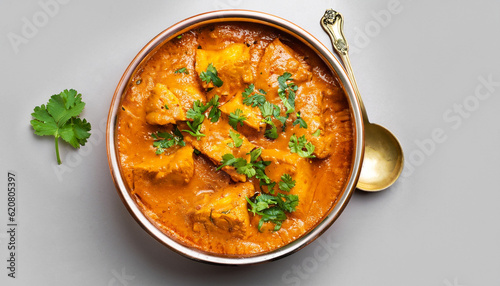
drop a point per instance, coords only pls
(290, 204)
(60, 118)
(267, 109)
(300, 121)
(272, 208)
(287, 89)
(316, 133)
(215, 112)
(255, 154)
(165, 140)
(245, 168)
(210, 75)
(271, 130)
(228, 160)
(273, 214)
(257, 99)
(237, 141)
(286, 183)
(182, 70)
(196, 113)
(76, 132)
(235, 118)
(301, 146)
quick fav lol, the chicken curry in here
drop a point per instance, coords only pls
(235, 138)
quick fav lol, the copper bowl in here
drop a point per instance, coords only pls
(238, 16)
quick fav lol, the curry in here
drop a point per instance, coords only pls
(235, 138)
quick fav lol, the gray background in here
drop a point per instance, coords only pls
(421, 68)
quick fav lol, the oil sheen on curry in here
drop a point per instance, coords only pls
(235, 139)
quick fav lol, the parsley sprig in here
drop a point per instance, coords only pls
(60, 118)
(210, 75)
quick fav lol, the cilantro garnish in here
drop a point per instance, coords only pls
(215, 112)
(197, 114)
(290, 203)
(237, 141)
(272, 208)
(300, 121)
(182, 70)
(250, 169)
(301, 146)
(210, 75)
(287, 89)
(316, 133)
(268, 110)
(286, 92)
(240, 164)
(165, 140)
(286, 183)
(60, 118)
(257, 99)
(235, 118)
(271, 130)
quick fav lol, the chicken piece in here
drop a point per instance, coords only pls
(278, 59)
(187, 94)
(215, 145)
(163, 107)
(233, 68)
(224, 212)
(253, 114)
(309, 104)
(173, 169)
(297, 167)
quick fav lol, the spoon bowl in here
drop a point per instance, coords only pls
(383, 159)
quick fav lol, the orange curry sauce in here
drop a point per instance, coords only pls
(181, 190)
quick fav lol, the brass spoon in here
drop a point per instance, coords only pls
(383, 160)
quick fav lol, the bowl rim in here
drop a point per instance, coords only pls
(242, 16)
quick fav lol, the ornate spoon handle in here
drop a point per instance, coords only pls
(333, 23)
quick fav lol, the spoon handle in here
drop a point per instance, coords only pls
(333, 23)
